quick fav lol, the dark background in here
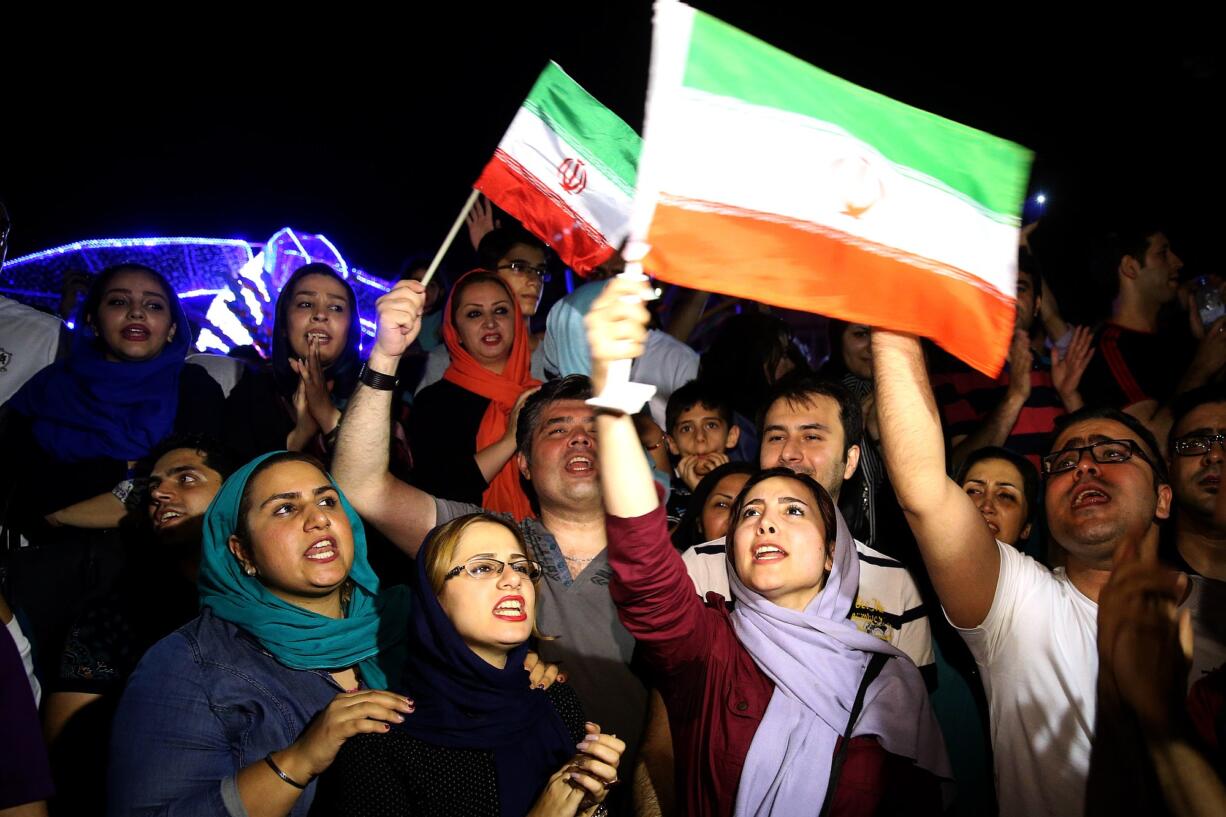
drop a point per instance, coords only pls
(370, 128)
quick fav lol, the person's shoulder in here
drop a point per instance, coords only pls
(443, 395)
(186, 646)
(29, 319)
(876, 557)
(197, 378)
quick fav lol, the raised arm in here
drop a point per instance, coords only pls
(653, 593)
(360, 462)
(617, 329)
(957, 546)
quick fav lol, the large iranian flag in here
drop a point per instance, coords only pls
(566, 170)
(764, 177)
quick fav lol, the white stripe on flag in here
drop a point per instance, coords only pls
(724, 150)
(540, 151)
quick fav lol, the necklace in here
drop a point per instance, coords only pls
(579, 560)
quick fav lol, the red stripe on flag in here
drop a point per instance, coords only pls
(543, 213)
(798, 266)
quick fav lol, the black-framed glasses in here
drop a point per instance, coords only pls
(1197, 445)
(484, 567)
(1103, 452)
(521, 267)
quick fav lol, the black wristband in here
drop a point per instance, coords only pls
(377, 380)
(272, 765)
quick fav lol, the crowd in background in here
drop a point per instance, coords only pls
(432, 579)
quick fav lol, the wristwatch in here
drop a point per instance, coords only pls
(377, 380)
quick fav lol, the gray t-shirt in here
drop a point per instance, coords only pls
(592, 646)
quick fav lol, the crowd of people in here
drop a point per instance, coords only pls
(434, 579)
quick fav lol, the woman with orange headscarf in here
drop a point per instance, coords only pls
(462, 429)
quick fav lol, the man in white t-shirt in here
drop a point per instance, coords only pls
(807, 428)
(28, 342)
(1031, 630)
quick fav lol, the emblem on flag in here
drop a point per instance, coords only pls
(573, 175)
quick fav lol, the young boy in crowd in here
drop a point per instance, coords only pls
(701, 435)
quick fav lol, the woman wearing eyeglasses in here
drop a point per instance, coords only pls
(781, 706)
(480, 742)
(462, 429)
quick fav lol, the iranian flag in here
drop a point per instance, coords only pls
(764, 177)
(566, 170)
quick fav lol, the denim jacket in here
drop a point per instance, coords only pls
(204, 702)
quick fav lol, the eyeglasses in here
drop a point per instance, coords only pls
(521, 267)
(483, 567)
(1103, 452)
(1196, 445)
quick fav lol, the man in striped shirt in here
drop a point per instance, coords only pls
(1014, 412)
(1141, 366)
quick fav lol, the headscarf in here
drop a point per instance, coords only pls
(343, 372)
(464, 702)
(86, 407)
(370, 635)
(504, 493)
(817, 659)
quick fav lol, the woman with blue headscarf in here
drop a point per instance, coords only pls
(73, 434)
(239, 710)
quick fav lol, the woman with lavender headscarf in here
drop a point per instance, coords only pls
(781, 706)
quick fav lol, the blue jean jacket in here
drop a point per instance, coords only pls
(204, 702)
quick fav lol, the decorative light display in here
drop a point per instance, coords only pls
(228, 286)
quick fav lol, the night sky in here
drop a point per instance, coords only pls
(370, 129)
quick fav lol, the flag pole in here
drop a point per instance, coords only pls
(455, 228)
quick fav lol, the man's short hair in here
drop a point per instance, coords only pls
(1147, 438)
(497, 243)
(1183, 405)
(695, 393)
(801, 391)
(571, 387)
(214, 453)
(1128, 239)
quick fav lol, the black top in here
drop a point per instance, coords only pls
(397, 775)
(1130, 367)
(443, 437)
(257, 417)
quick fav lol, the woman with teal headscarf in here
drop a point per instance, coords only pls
(238, 711)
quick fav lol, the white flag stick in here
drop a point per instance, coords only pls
(455, 228)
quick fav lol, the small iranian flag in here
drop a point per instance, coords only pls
(566, 170)
(764, 177)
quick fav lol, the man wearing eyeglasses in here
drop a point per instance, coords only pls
(1032, 631)
(1197, 448)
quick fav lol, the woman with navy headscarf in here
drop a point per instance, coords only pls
(296, 404)
(73, 434)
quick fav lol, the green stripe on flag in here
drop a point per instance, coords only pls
(726, 61)
(604, 140)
